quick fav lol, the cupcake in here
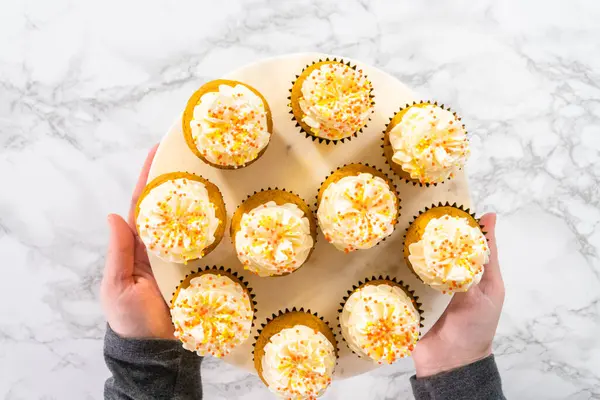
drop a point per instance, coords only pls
(331, 100)
(425, 143)
(380, 321)
(180, 217)
(357, 207)
(227, 124)
(212, 312)
(295, 355)
(446, 248)
(273, 232)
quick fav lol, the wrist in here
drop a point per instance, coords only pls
(129, 330)
(113, 333)
(144, 352)
(429, 362)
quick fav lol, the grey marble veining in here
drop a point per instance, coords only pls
(86, 87)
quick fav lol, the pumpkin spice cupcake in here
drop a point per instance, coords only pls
(180, 217)
(446, 248)
(273, 232)
(380, 320)
(425, 143)
(331, 100)
(357, 207)
(212, 312)
(295, 355)
(227, 124)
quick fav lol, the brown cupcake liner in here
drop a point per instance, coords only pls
(247, 205)
(388, 152)
(233, 275)
(377, 280)
(214, 196)
(188, 113)
(317, 322)
(464, 212)
(375, 172)
(305, 128)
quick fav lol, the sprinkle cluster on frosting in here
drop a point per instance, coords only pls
(176, 220)
(357, 212)
(298, 363)
(336, 100)
(212, 315)
(450, 255)
(380, 322)
(429, 143)
(273, 239)
(229, 127)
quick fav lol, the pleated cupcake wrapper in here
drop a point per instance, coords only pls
(280, 313)
(383, 137)
(388, 181)
(160, 179)
(223, 272)
(405, 287)
(312, 215)
(440, 204)
(310, 135)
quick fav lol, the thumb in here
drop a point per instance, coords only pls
(121, 251)
(492, 277)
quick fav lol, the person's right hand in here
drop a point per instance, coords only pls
(465, 331)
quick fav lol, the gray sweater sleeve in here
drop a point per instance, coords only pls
(480, 380)
(150, 369)
(162, 369)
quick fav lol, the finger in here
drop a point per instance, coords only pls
(121, 251)
(139, 187)
(492, 275)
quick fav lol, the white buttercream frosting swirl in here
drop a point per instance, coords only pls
(212, 315)
(451, 254)
(273, 239)
(298, 363)
(357, 212)
(176, 220)
(229, 127)
(380, 322)
(336, 100)
(429, 143)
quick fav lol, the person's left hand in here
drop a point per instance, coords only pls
(130, 296)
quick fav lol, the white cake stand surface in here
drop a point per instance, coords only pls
(299, 164)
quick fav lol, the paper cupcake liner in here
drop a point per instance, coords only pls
(303, 128)
(375, 172)
(188, 113)
(388, 151)
(373, 280)
(214, 195)
(316, 321)
(241, 210)
(466, 213)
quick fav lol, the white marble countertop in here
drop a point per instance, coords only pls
(86, 87)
